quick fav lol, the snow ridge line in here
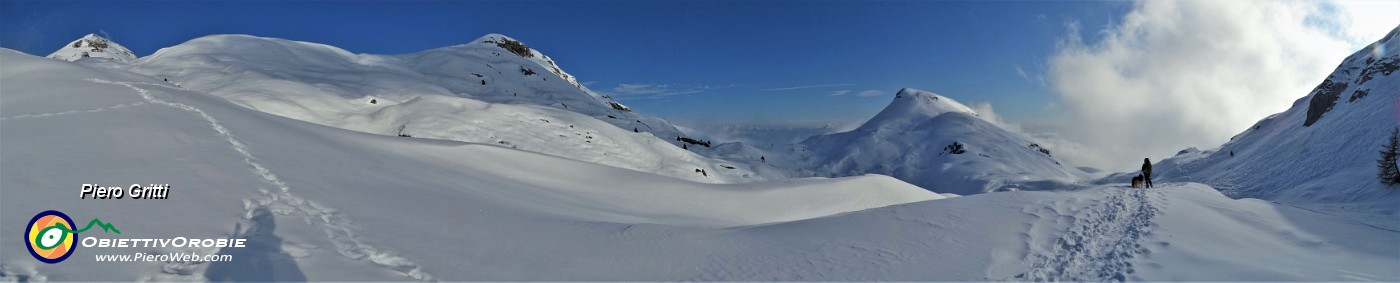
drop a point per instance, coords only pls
(93, 110)
(1101, 242)
(339, 230)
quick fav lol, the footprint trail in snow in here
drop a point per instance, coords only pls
(281, 201)
(1101, 241)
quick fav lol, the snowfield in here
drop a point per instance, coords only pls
(256, 165)
(476, 92)
(275, 141)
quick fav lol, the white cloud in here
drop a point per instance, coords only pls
(1175, 74)
(639, 88)
(651, 90)
(1365, 21)
(840, 92)
(870, 93)
(807, 86)
(985, 111)
(844, 126)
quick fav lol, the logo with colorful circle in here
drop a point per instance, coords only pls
(50, 235)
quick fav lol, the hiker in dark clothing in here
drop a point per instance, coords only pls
(1147, 172)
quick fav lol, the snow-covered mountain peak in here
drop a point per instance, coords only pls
(385, 94)
(937, 143)
(93, 46)
(500, 49)
(928, 103)
(499, 42)
(503, 42)
(916, 105)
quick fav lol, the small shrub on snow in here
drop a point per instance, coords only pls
(693, 141)
(1041, 149)
(955, 148)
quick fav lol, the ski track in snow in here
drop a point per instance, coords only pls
(338, 229)
(1100, 242)
(93, 110)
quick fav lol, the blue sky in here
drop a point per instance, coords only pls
(697, 62)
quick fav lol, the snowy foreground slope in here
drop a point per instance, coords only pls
(327, 204)
(249, 161)
(485, 91)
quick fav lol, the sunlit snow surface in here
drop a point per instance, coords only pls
(320, 202)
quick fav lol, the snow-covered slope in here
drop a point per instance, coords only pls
(319, 203)
(68, 124)
(93, 46)
(493, 90)
(914, 138)
(1320, 153)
